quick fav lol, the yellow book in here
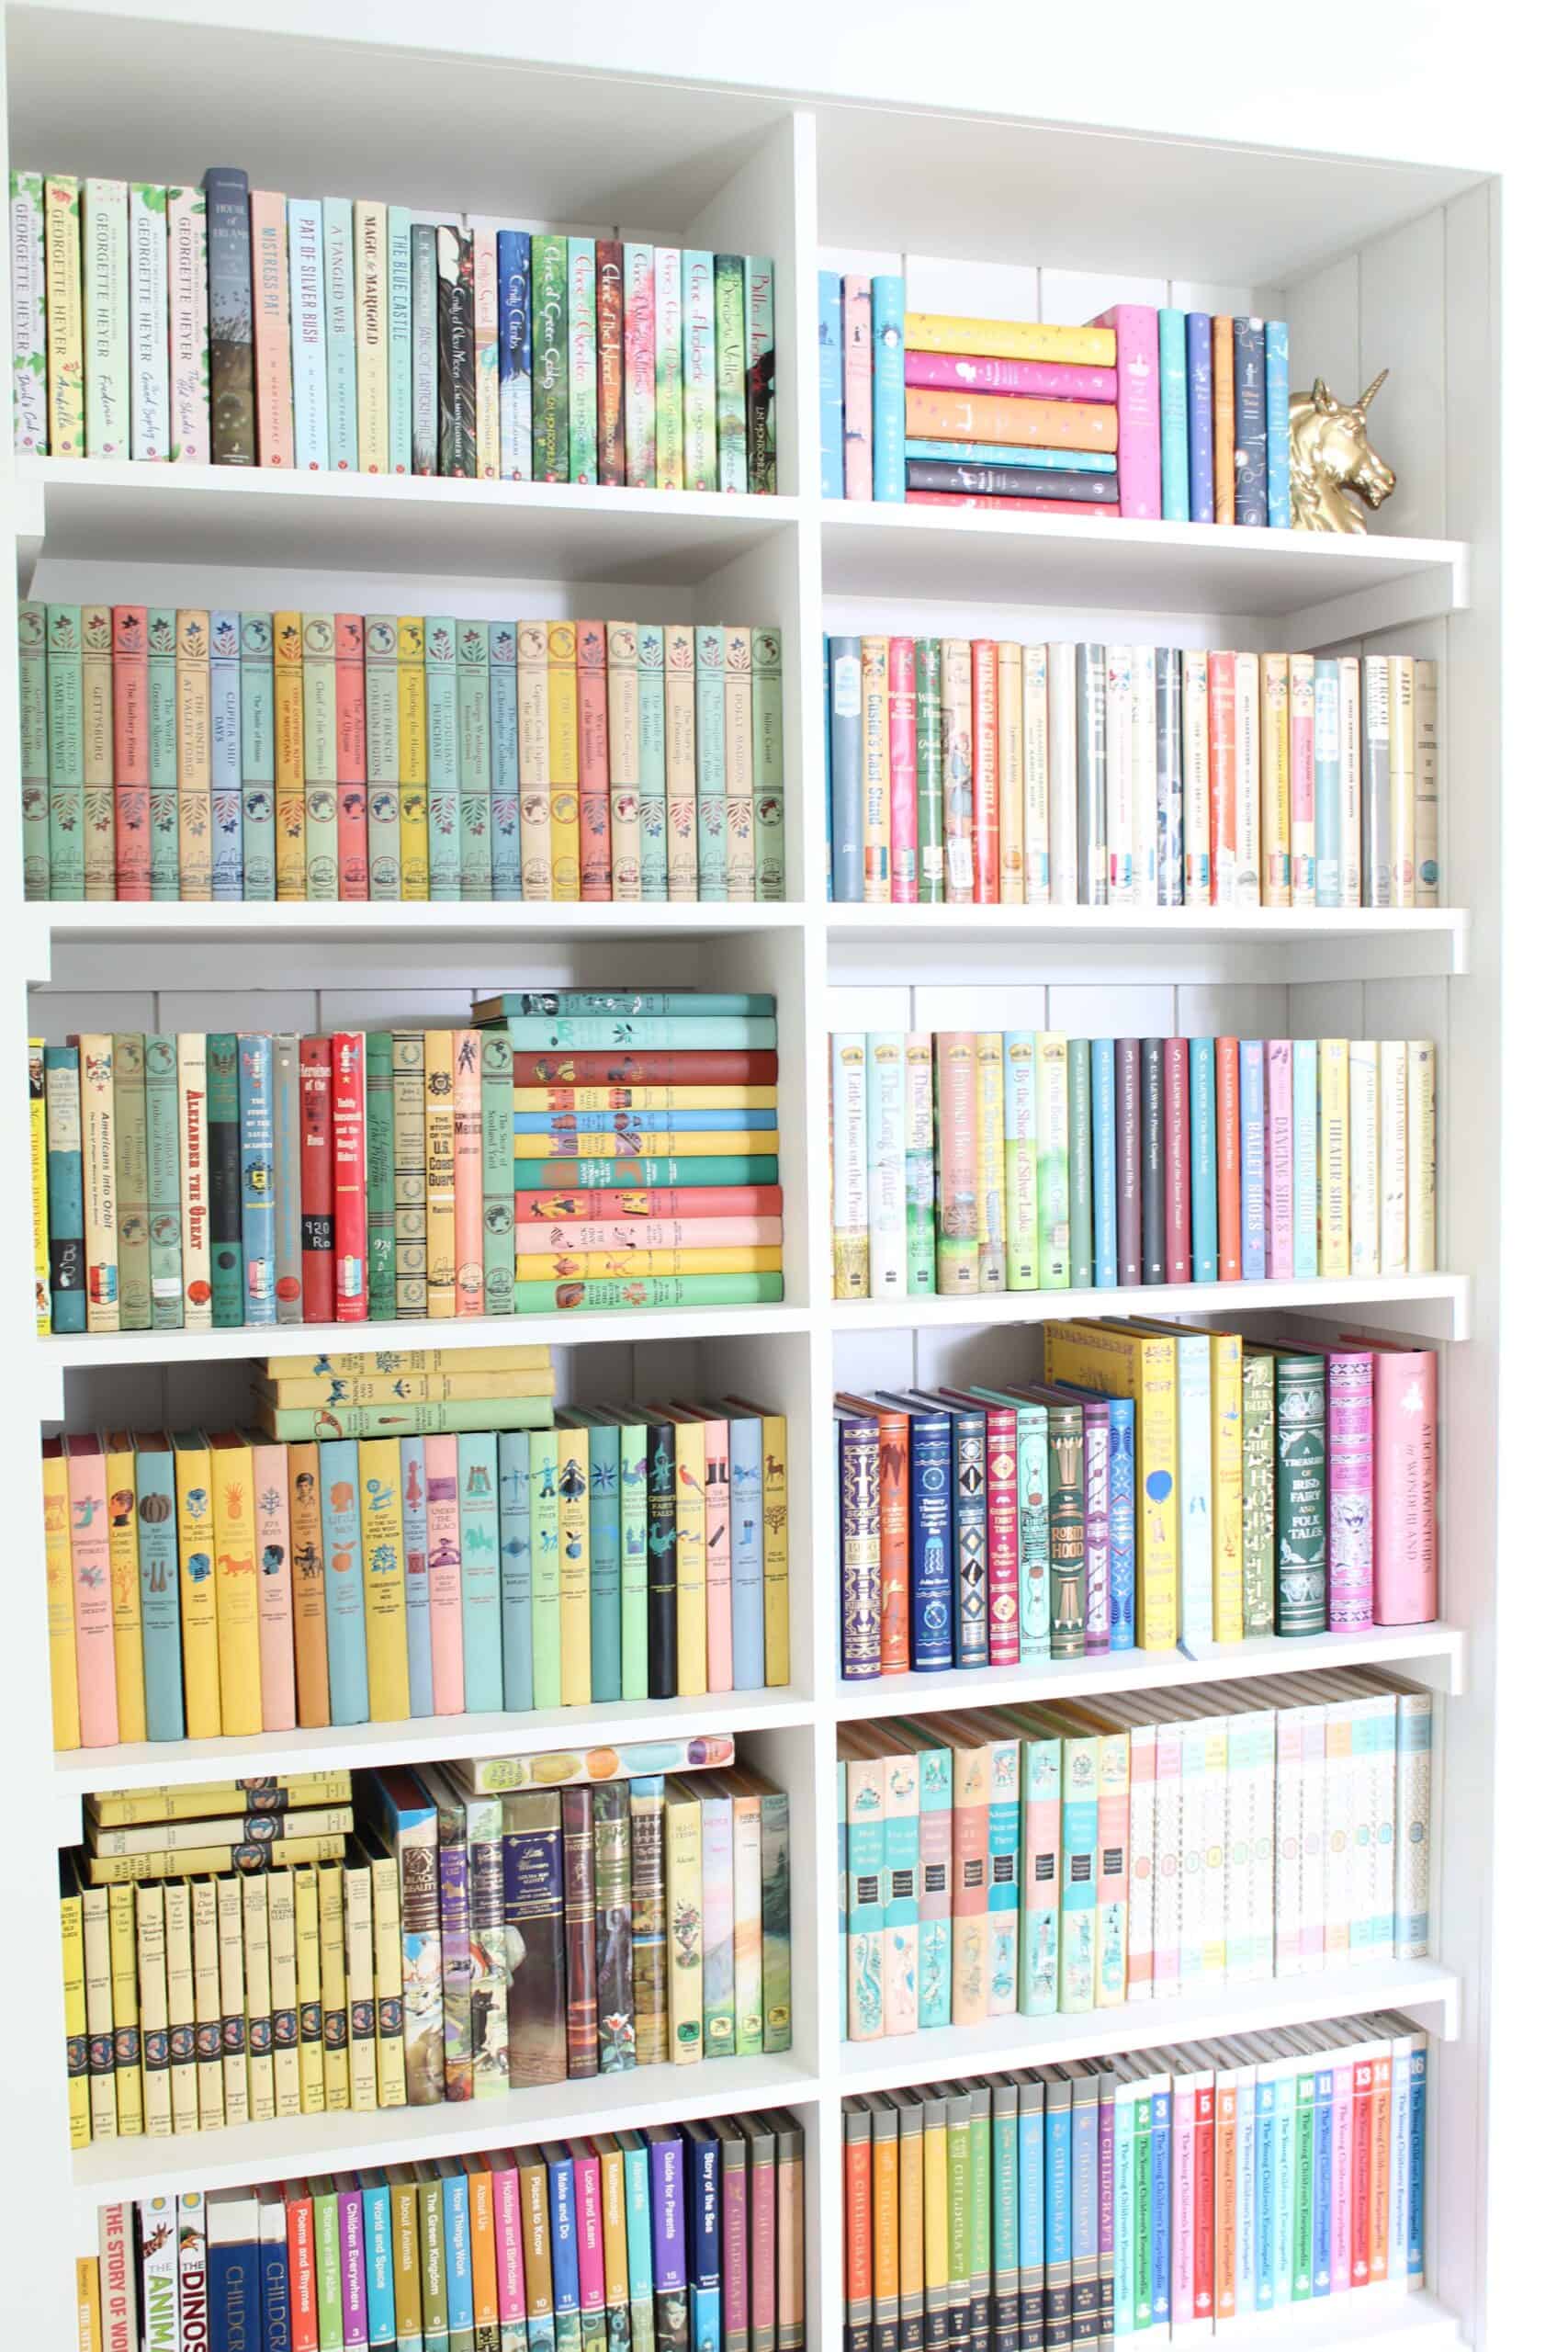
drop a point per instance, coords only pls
(1333, 1156)
(371, 333)
(1010, 772)
(645, 1098)
(413, 775)
(38, 1137)
(284, 1964)
(440, 1177)
(875, 784)
(101, 1222)
(1224, 1408)
(182, 2007)
(560, 682)
(153, 1994)
(683, 1918)
(613, 2207)
(415, 1388)
(62, 300)
(253, 1894)
(124, 1584)
(334, 1989)
(1141, 1365)
(533, 757)
(193, 751)
(198, 1601)
(571, 1486)
(122, 1995)
(408, 2298)
(775, 1551)
(238, 1581)
(625, 758)
(74, 1970)
(288, 752)
(1275, 783)
(381, 1537)
(1421, 1152)
(1338, 1748)
(325, 1372)
(205, 1800)
(700, 1145)
(691, 1560)
(98, 1976)
(308, 1966)
(1402, 777)
(359, 1950)
(1009, 339)
(187, 1861)
(386, 1930)
(63, 1707)
(592, 1264)
(231, 1998)
(990, 1161)
(89, 2314)
(98, 752)
(208, 1974)
(933, 2165)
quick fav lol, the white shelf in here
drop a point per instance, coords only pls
(1433, 1307)
(1433, 1654)
(1359, 2322)
(1422, 1986)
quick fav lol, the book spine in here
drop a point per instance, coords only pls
(487, 356)
(399, 340)
(682, 848)
(106, 317)
(1175, 501)
(426, 304)
(229, 319)
(383, 817)
(258, 735)
(350, 1298)
(1277, 421)
(858, 376)
(730, 369)
(1200, 417)
(258, 1192)
(830, 380)
(514, 265)
(1251, 426)
(274, 387)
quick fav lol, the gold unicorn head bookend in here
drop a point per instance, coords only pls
(1331, 457)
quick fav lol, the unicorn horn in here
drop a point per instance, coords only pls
(1373, 389)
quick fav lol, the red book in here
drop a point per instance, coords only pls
(1227, 1089)
(300, 2216)
(610, 265)
(1177, 1160)
(353, 810)
(592, 762)
(1011, 506)
(987, 790)
(351, 1300)
(132, 773)
(673, 1068)
(671, 1200)
(1203, 2203)
(316, 1177)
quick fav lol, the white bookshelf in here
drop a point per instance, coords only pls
(1374, 263)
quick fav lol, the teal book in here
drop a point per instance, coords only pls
(159, 1572)
(62, 1170)
(1080, 1826)
(544, 1527)
(1080, 1167)
(634, 1556)
(661, 1032)
(652, 799)
(400, 339)
(382, 1269)
(615, 1175)
(459, 2258)
(224, 1180)
(343, 397)
(1102, 1113)
(1173, 467)
(479, 1538)
(496, 1156)
(516, 1571)
(473, 760)
(258, 1178)
(505, 815)
(1304, 1157)
(575, 1004)
(258, 775)
(163, 756)
(639, 2240)
(441, 759)
(348, 1678)
(1201, 1114)
(653, 1290)
(166, 1261)
(604, 1557)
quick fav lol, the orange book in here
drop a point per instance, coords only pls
(1227, 1102)
(858, 2262)
(482, 2247)
(310, 1587)
(932, 415)
(987, 785)
(1224, 419)
(1221, 778)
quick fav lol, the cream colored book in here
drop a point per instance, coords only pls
(308, 1976)
(1351, 781)
(334, 1989)
(99, 1977)
(679, 763)
(231, 1994)
(1197, 886)
(152, 1986)
(1333, 1156)
(1009, 776)
(533, 757)
(325, 1372)
(1421, 1156)
(1393, 1249)
(207, 1977)
(386, 1918)
(683, 1914)
(739, 767)
(254, 1895)
(1366, 1199)
(1248, 782)
(1062, 757)
(98, 754)
(1145, 751)
(202, 1801)
(122, 1991)
(1037, 842)
(359, 1948)
(370, 334)
(1274, 781)
(626, 828)
(1429, 847)
(284, 1964)
(1304, 823)
(181, 1976)
(196, 1240)
(1402, 777)
(102, 1225)
(1121, 821)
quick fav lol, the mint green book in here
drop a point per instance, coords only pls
(1032, 1450)
(163, 756)
(67, 856)
(979, 2201)
(729, 367)
(382, 1273)
(496, 1156)
(258, 771)
(32, 693)
(473, 758)
(399, 345)
(516, 1571)
(616, 1175)
(581, 360)
(719, 1921)
(544, 1520)
(441, 760)
(653, 1290)
(552, 417)
(652, 810)
(1080, 1168)
(700, 413)
(479, 1524)
(668, 408)
(634, 1555)
(778, 2010)
(609, 1033)
(165, 1265)
(603, 1554)
(768, 762)
(384, 830)
(711, 877)
(293, 1424)
(328, 2266)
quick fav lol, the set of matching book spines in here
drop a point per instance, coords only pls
(647, 2240)
(226, 326)
(984, 773)
(182, 754)
(1166, 1486)
(631, 1553)
(1169, 2189)
(967, 1163)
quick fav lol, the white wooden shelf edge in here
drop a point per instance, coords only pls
(1433, 1306)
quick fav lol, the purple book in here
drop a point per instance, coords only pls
(457, 1972)
(1030, 378)
(1350, 1413)
(667, 2197)
(1136, 328)
(1107, 2205)
(351, 2248)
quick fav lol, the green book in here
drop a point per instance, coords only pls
(473, 758)
(668, 414)
(581, 354)
(552, 415)
(1258, 1561)
(929, 869)
(959, 2205)
(165, 1263)
(1300, 1532)
(441, 759)
(1080, 1168)
(318, 668)
(32, 694)
(640, 1175)
(67, 856)
(777, 2006)
(1301, 2232)
(130, 1181)
(329, 2267)
(381, 1272)
(295, 1424)
(544, 1520)
(729, 367)
(163, 755)
(654, 1290)
(700, 442)
(666, 1033)
(767, 760)
(223, 1181)
(500, 1210)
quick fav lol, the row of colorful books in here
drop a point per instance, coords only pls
(1166, 2190)
(627, 2239)
(1043, 1859)
(238, 328)
(977, 773)
(1169, 1486)
(182, 754)
(966, 1163)
(226, 1968)
(227, 1584)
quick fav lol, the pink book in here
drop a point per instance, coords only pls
(510, 2293)
(1034, 378)
(593, 759)
(1350, 1528)
(467, 1170)
(857, 388)
(269, 1469)
(92, 1594)
(901, 761)
(352, 813)
(971, 1820)
(734, 2231)
(445, 1574)
(1340, 2173)
(589, 2228)
(1404, 1484)
(1279, 1204)
(274, 360)
(1183, 2195)
(1002, 1533)
(1136, 328)
(1079, 507)
(132, 775)
(1169, 1749)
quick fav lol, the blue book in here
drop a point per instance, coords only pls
(62, 1170)
(1304, 1156)
(479, 1536)
(1277, 420)
(747, 1664)
(1254, 1190)
(505, 829)
(416, 1576)
(513, 252)
(517, 1572)
(887, 389)
(966, 1550)
(459, 2253)
(307, 338)
(228, 825)
(563, 2246)
(844, 767)
(158, 1562)
(605, 1557)
(1159, 2203)
(1123, 1528)
(611, 1123)
(1102, 1115)
(233, 2269)
(1174, 505)
(1266, 2186)
(1417, 2218)
(258, 1196)
(830, 378)
(702, 2232)
(380, 2311)
(272, 2271)
(640, 2231)
(400, 339)
(1323, 2183)
(230, 319)
(1201, 415)
(1003, 453)
(931, 1536)
(1202, 1114)
(1326, 756)
(347, 1669)
(337, 297)
(1251, 427)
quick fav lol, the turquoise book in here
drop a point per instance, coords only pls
(614, 1175)
(347, 1669)
(745, 1553)
(505, 820)
(480, 1540)
(63, 1174)
(652, 798)
(544, 1527)
(258, 1198)
(663, 1032)
(1201, 1116)
(639, 2240)
(258, 777)
(380, 1244)
(473, 760)
(1173, 459)
(887, 389)
(441, 759)
(1080, 1166)
(830, 379)
(416, 1574)
(575, 1004)
(337, 281)
(603, 1556)
(1103, 1094)
(157, 1552)
(633, 1440)
(459, 2259)
(1304, 1157)
(516, 1571)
